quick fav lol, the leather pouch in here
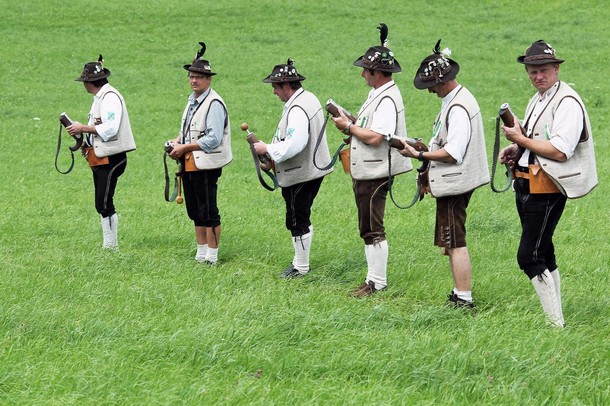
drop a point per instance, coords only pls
(540, 182)
(93, 160)
(344, 157)
(189, 162)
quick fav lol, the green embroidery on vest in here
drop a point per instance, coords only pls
(436, 128)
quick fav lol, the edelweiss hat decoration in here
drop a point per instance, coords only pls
(379, 57)
(539, 53)
(436, 68)
(93, 71)
(284, 73)
(200, 65)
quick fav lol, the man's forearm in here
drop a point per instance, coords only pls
(543, 148)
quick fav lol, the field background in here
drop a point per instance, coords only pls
(150, 326)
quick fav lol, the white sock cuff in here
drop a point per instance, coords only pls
(377, 261)
(464, 294)
(212, 254)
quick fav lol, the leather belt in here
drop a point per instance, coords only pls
(521, 172)
(522, 175)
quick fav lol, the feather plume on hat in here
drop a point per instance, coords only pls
(201, 51)
(93, 71)
(284, 73)
(436, 68)
(379, 57)
(200, 65)
(383, 34)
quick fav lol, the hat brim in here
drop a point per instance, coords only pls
(202, 71)
(395, 68)
(522, 60)
(270, 79)
(82, 78)
(421, 84)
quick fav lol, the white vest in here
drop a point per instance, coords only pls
(371, 162)
(578, 175)
(300, 168)
(123, 140)
(222, 154)
(449, 179)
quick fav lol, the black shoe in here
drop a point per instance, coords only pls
(358, 289)
(291, 272)
(366, 289)
(455, 301)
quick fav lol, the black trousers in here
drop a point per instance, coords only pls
(299, 199)
(105, 178)
(200, 196)
(539, 214)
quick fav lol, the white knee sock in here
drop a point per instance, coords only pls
(110, 227)
(114, 228)
(557, 281)
(106, 235)
(202, 249)
(302, 247)
(377, 261)
(545, 289)
(212, 255)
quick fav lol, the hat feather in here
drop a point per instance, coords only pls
(383, 34)
(201, 51)
(437, 47)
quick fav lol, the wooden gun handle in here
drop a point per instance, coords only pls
(66, 122)
(179, 198)
(266, 162)
(508, 118)
(78, 144)
(423, 179)
(333, 110)
(506, 115)
(417, 144)
(396, 142)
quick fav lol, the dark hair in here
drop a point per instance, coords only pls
(205, 75)
(550, 63)
(99, 82)
(384, 73)
(295, 85)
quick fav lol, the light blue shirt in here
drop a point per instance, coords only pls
(215, 122)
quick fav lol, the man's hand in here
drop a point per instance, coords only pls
(409, 151)
(342, 121)
(178, 151)
(514, 134)
(260, 148)
(510, 155)
(76, 128)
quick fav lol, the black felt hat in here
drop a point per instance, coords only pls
(436, 68)
(284, 73)
(93, 71)
(539, 53)
(379, 58)
(200, 65)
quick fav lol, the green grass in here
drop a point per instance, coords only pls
(150, 326)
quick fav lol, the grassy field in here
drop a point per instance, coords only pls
(148, 325)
